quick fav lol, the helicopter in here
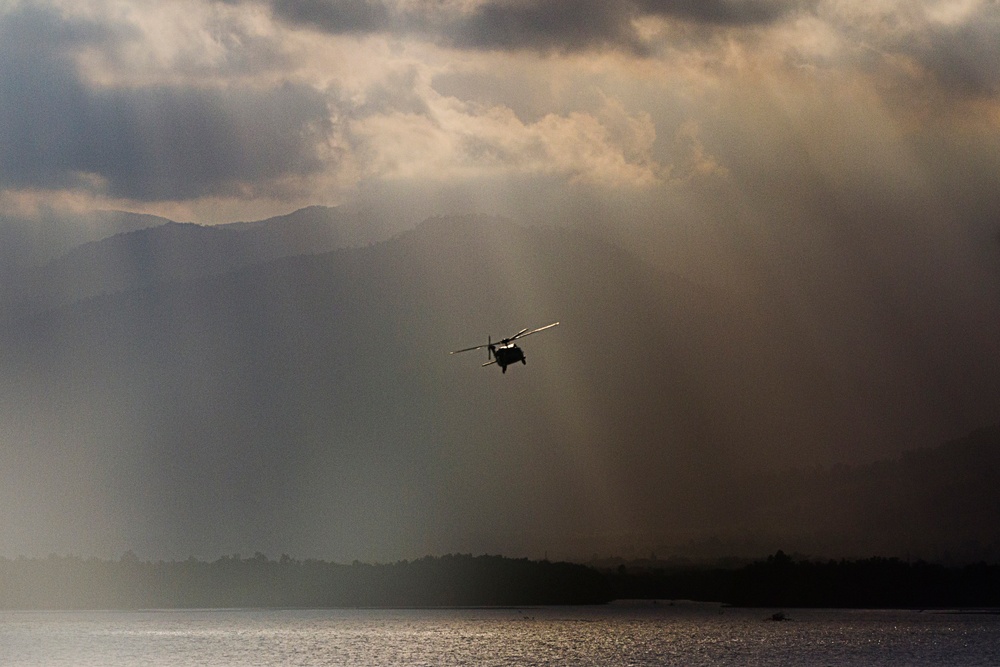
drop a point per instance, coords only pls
(505, 352)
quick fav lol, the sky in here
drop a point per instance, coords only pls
(736, 143)
(832, 167)
(213, 111)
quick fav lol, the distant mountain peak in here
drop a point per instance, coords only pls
(315, 214)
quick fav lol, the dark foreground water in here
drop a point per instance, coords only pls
(639, 634)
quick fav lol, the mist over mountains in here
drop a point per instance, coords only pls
(284, 386)
(37, 240)
(127, 251)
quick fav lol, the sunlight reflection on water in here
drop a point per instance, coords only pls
(637, 634)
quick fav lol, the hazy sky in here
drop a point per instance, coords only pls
(214, 111)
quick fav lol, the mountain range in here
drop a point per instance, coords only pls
(285, 386)
(126, 251)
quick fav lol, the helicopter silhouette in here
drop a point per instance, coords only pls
(505, 352)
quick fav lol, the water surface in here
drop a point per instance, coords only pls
(635, 634)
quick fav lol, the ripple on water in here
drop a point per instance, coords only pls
(638, 635)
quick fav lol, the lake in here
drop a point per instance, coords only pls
(638, 634)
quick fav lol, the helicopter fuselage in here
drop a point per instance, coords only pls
(508, 354)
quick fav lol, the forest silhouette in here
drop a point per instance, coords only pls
(488, 581)
(232, 581)
(783, 581)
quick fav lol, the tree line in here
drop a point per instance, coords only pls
(782, 581)
(231, 581)
(66, 582)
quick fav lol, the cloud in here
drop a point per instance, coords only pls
(916, 50)
(141, 142)
(724, 12)
(963, 52)
(535, 25)
(338, 17)
(298, 101)
(560, 25)
(453, 140)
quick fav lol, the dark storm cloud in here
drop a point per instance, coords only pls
(723, 12)
(335, 16)
(541, 25)
(168, 143)
(160, 142)
(38, 93)
(566, 25)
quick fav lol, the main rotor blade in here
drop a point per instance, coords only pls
(525, 332)
(469, 349)
(520, 334)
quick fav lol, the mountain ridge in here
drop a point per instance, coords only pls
(179, 251)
